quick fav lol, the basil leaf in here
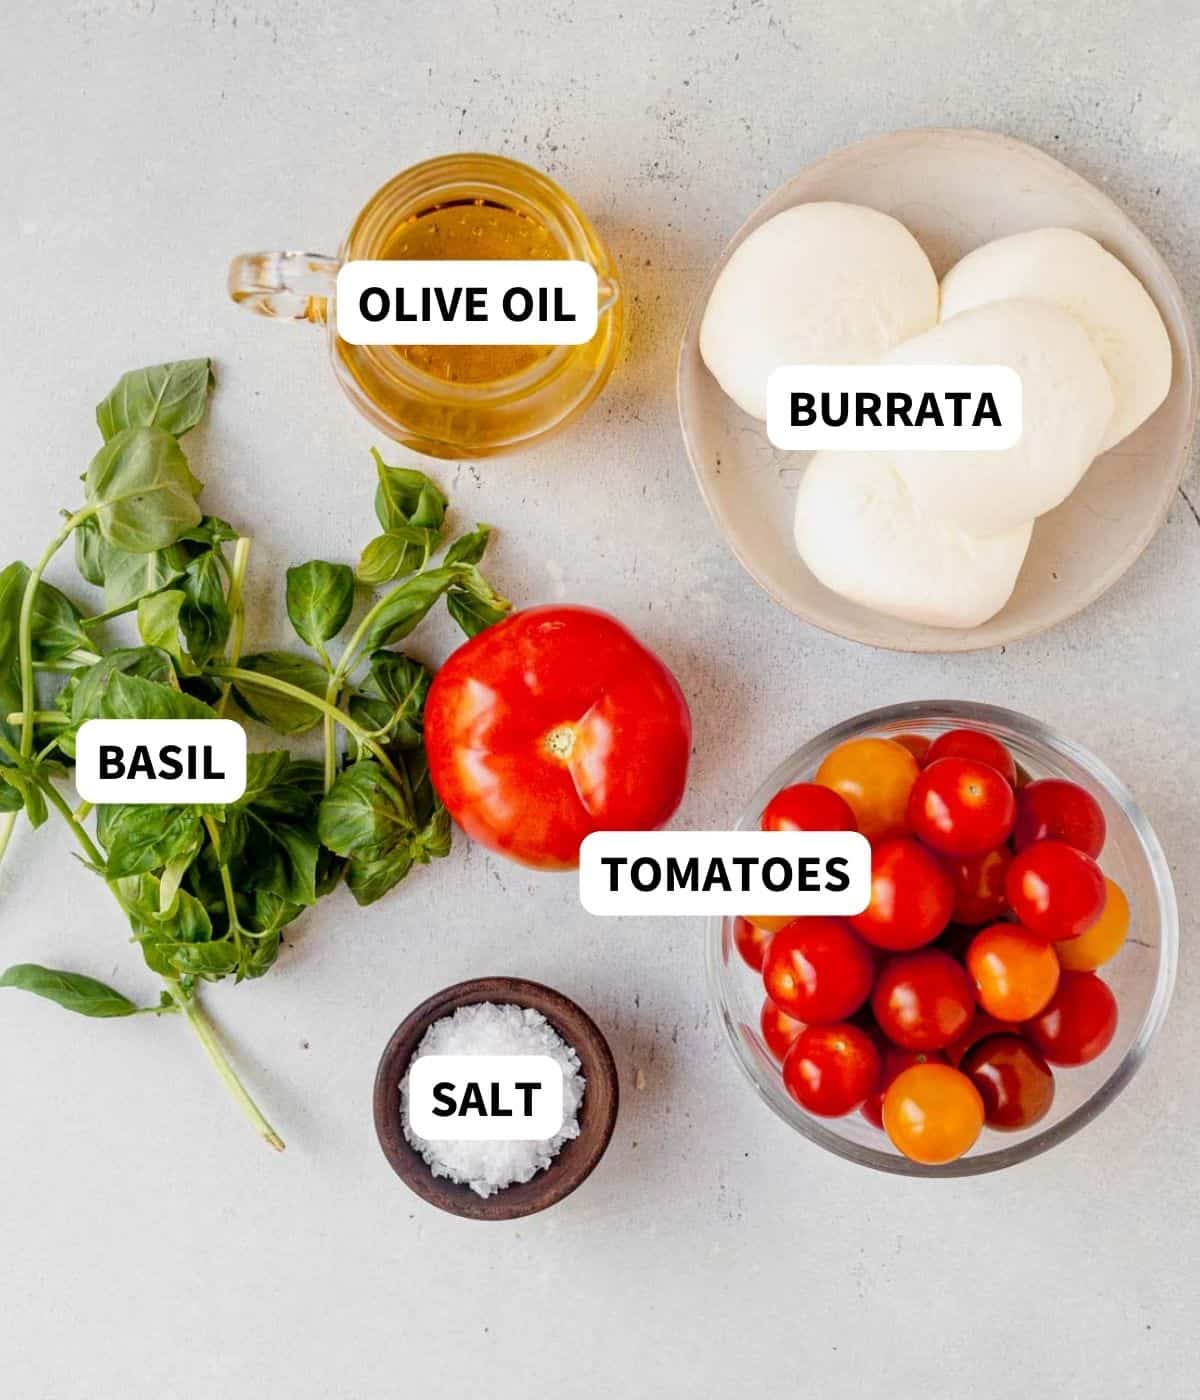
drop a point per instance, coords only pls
(171, 397)
(205, 617)
(12, 589)
(407, 497)
(403, 684)
(89, 551)
(471, 613)
(145, 494)
(405, 607)
(211, 532)
(130, 577)
(70, 990)
(395, 554)
(319, 599)
(158, 620)
(363, 809)
(259, 955)
(123, 695)
(282, 713)
(56, 624)
(140, 839)
(369, 876)
(469, 548)
(83, 695)
(269, 838)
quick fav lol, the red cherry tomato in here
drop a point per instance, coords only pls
(932, 1113)
(830, 1070)
(894, 1061)
(972, 743)
(982, 1025)
(922, 1000)
(553, 724)
(808, 807)
(961, 807)
(778, 1028)
(1014, 1081)
(1055, 890)
(979, 887)
(911, 896)
(1015, 972)
(1053, 809)
(1079, 1023)
(751, 941)
(818, 970)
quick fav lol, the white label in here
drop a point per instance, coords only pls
(725, 872)
(144, 761)
(881, 408)
(551, 302)
(485, 1098)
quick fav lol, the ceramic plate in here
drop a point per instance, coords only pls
(954, 190)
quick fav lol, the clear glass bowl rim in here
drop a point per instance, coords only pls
(988, 717)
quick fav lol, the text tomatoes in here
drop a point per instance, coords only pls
(778, 1028)
(1015, 972)
(830, 1070)
(922, 1000)
(807, 807)
(818, 970)
(875, 776)
(972, 743)
(1055, 890)
(911, 896)
(979, 887)
(550, 725)
(962, 807)
(932, 1113)
(1079, 1023)
(1014, 1081)
(1053, 809)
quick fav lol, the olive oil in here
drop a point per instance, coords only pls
(471, 229)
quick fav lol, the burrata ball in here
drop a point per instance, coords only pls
(820, 284)
(861, 533)
(1073, 271)
(1067, 404)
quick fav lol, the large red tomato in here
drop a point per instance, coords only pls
(553, 724)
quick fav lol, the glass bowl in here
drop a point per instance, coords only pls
(1142, 974)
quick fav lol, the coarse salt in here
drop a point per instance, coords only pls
(489, 1029)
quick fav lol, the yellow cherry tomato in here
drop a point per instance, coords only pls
(1103, 940)
(932, 1113)
(875, 776)
(771, 923)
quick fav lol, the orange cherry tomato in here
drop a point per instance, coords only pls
(1015, 972)
(751, 941)
(770, 923)
(916, 744)
(875, 776)
(778, 1028)
(1103, 940)
(893, 1061)
(807, 807)
(932, 1113)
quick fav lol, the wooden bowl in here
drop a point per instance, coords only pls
(953, 190)
(576, 1158)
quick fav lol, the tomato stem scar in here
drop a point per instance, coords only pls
(561, 740)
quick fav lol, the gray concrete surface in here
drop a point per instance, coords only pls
(152, 1247)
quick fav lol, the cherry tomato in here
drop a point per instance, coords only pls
(911, 896)
(875, 776)
(778, 1028)
(553, 724)
(830, 1070)
(1079, 1023)
(1015, 972)
(922, 1000)
(916, 744)
(1053, 809)
(894, 1061)
(769, 923)
(982, 1025)
(807, 807)
(751, 941)
(932, 1113)
(961, 807)
(1014, 1081)
(818, 970)
(1104, 939)
(971, 743)
(1055, 890)
(979, 887)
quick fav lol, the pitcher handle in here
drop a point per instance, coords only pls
(288, 286)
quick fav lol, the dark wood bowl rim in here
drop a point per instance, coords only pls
(575, 1160)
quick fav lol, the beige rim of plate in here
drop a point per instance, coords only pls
(954, 189)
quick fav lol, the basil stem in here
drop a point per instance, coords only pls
(236, 603)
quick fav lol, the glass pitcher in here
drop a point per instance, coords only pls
(452, 401)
